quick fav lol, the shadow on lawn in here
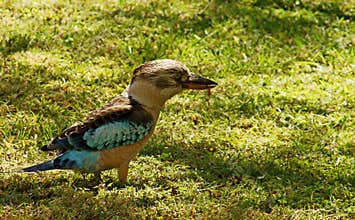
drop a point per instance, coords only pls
(57, 195)
(38, 91)
(287, 181)
(16, 43)
(15, 89)
(254, 18)
(289, 174)
(333, 9)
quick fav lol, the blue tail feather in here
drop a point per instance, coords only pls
(48, 165)
(70, 160)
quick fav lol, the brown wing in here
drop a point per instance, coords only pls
(119, 110)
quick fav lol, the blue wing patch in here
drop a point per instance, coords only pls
(116, 133)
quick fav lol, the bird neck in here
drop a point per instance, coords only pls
(147, 95)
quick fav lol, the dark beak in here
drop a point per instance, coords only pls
(198, 82)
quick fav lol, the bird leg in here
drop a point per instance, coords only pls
(123, 172)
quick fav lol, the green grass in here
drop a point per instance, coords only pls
(275, 140)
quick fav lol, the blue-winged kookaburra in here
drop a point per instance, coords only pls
(113, 134)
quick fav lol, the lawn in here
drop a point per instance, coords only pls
(274, 140)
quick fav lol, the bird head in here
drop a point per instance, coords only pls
(162, 79)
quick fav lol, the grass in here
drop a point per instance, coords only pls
(275, 140)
